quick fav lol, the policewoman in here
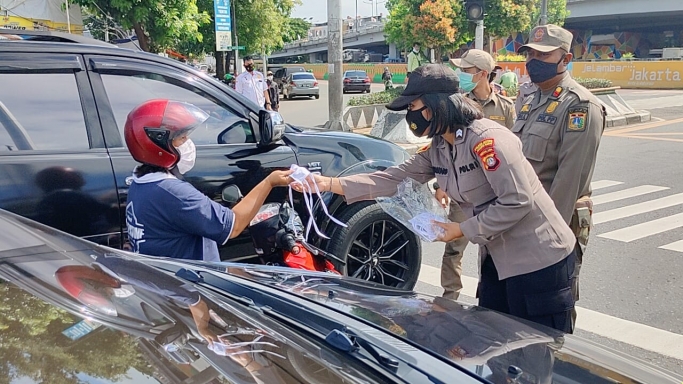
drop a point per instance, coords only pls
(526, 247)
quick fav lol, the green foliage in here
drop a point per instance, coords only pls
(628, 55)
(295, 29)
(504, 17)
(31, 345)
(383, 97)
(592, 83)
(436, 24)
(557, 12)
(261, 24)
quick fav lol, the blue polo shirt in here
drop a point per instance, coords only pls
(169, 217)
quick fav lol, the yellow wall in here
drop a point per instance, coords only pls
(634, 74)
(20, 23)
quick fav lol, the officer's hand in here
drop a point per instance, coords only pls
(279, 178)
(442, 197)
(323, 183)
(452, 231)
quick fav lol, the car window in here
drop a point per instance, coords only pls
(41, 111)
(128, 90)
(355, 74)
(303, 76)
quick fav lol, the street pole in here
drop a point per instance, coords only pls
(334, 66)
(544, 12)
(68, 20)
(355, 28)
(235, 42)
(479, 35)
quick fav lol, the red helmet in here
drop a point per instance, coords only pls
(88, 286)
(152, 126)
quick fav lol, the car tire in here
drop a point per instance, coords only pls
(317, 97)
(393, 257)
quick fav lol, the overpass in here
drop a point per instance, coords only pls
(608, 16)
(368, 37)
(598, 16)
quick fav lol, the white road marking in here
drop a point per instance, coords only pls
(639, 335)
(604, 184)
(626, 193)
(676, 246)
(648, 228)
(636, 209)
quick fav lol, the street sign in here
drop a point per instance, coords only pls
(80, 329)
(223, 21)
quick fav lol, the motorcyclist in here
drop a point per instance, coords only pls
(166, 216)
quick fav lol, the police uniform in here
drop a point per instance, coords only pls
(500, 109)
(509, 214)
(560, 132)
(497, 108)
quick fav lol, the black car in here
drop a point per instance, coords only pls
(76, 312)
(356, 81)
(64, 162)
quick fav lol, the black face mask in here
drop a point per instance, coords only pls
(540, 71)
(249, 67)
(416, 122)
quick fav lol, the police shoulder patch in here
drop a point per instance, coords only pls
(486, 151)
(576, 119)
(425, 148)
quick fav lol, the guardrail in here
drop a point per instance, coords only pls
(346, 34)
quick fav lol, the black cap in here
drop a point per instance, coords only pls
(430, 78)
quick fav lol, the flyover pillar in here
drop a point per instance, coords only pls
(393, 51)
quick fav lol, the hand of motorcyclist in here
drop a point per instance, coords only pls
(442, 197)
(279, 178)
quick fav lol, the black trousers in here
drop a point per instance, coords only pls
(544, 297)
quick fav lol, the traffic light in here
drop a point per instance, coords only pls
(474, 9)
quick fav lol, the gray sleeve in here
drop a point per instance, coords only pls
(383, 183)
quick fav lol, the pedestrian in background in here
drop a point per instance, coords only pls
(387, 78)
(560, 126)
(415, 59)
(273, 92)
(526, 248)
(252, 84)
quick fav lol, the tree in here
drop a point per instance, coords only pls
(32, 346)
(158, 25)
(504, 17)
(436, 24)
(557, 12)
(295, 29)
(262, 23)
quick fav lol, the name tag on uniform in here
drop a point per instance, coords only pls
(523, 116)
(548, 119)
(440, 171)
(495, 117)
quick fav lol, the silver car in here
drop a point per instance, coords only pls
(300, 84)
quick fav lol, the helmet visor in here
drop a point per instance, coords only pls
(180, 118)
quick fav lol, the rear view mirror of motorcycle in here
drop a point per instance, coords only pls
(231, 194)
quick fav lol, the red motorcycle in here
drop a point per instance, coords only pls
(277, 233)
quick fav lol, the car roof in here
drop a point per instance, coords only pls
(12, 35)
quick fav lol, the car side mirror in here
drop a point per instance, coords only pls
(231, 194)
(271, 127)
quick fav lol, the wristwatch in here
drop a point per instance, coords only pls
(436, 186)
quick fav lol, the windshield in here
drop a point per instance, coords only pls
(355, 74)
(303, 76)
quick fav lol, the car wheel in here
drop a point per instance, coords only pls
(317, 97)
(376, 247)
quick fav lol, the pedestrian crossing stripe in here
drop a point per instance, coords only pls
(644, 229)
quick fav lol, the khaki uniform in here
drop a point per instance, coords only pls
(508, 212)
(560, 132)
(501, 110)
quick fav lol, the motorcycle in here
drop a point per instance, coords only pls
(277, 234)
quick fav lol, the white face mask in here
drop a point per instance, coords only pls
(188, 154)
(270, 77)
(416, 50)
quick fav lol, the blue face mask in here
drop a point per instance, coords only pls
(466, 82)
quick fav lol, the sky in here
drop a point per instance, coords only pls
(317, 9)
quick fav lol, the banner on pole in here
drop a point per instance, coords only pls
(223, 24)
